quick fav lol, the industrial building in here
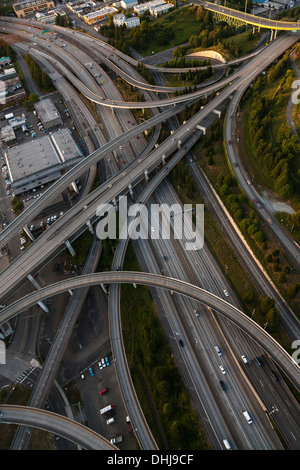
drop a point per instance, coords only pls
(143, 7)
(120, 20)
(11, 89)
(4, 61)
(99, 15)
(41, 161)
(161, 9)
(8, 136)
(48, 114)
(24, 8)
(5, 74)
(127, 4)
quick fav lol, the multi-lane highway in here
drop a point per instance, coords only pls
(280, 356)
(89, 212)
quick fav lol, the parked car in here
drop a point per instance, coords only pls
(91, 371)
(103, 391)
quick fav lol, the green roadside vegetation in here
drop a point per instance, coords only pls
(132, 94)
(41, 79)
(160, 388)
(261, 309)
(190, 26)
(268, 149)
(158, 383)
(211, 156)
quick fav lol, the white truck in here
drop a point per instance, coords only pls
(106, 409)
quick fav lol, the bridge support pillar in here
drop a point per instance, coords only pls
(104, 288)
(75, 187)
(179, 144)
(112, 110)
(37, 286)
(134, 285)
(130, 190)
(28, 233)
(163, 159)
(88, 223)
(114, 202)
(218, 113)
(70, 248)
(201, 128)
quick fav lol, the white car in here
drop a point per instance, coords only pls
(223, 370)
(226, 292)
(100, 365)
(245, 360)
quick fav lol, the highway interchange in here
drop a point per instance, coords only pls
(133, 174)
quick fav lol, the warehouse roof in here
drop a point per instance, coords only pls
(46, 110)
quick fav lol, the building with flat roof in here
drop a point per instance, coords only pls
(143, 7)
(8, 73)
(8, 135)
(161, 9)
(120, 20)
(41, 161)
(48, 113)
(126, 4)
(99, 15)
(4, 61)
(24, 8)
(11, 90)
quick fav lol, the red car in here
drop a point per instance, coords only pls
(104, 391)
(229, 141)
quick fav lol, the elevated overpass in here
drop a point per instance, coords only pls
(246, 18)
(258, 334)
(58, 424)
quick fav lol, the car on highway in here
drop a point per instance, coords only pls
(257, 203)
(229, 141)
(223, 385)
(245, 360)
(91, 371)
(274, 376)
(259, 361)
(181, 343)
(223, 370)
(103, 391)
(226, 292)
